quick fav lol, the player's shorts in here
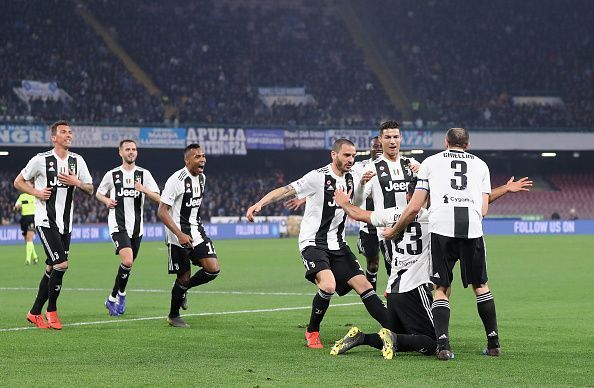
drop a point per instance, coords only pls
(410, 312)
(121, 240)
(445, 251)
(387, 249)
(27, 224)
(55, 244)
(342, 263)
(368, 244)
(181, 258)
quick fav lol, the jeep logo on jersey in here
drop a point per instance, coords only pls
(131, 193)
(56, 183)
(194, 202)
(398, 186)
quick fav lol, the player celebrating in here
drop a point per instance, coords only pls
(186, 239)
(393, 173)
(328, 260)
(123, 190)
(409, 298)
(459, 185)
(56, 174)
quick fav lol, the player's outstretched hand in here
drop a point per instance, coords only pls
(252, 211)
(367, 176)
(44, 193)
(294, 203)
(341, 197)
(522, 184)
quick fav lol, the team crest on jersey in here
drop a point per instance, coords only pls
(72, 167)
(138, 179)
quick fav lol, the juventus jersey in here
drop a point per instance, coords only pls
(456, 181)
(44, 168)
(410, 257)
(388, 187)
(128, 215)
(360, 168)
(184, 192)
(323, 220)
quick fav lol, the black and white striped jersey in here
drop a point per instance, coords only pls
(388, 187)
(323, 220)
(44, 168)
(118, 184)
(410, 258)
(184, 193)
(360, 168)
(456, 181)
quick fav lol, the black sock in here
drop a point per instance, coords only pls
(441, 320)
(42, 292)
(177, 294)
(415, 343)
(121, 280)
(375, 307)
(486, 309)
(54, 288)
(202, 277)
(318, 308)
(372, 278)
(372, 340)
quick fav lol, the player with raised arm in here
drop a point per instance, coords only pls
(328, 260)
(56, 175)
(186, 238)
(460, 187)
(123, 190)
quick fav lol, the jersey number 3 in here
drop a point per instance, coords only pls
(460, 181)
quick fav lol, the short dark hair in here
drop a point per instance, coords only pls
(457, 137)
(339, 143)
(127, 141)
(389, 124)
(189, 148)
(54, 126)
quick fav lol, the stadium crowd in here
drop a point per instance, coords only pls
(467, 62)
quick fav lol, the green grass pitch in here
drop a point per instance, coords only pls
(247, 326)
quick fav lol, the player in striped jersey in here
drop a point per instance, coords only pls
(408, 292)
(393, 173)
(123, 190)
(56, 175)
(460, 187)
(186, 239)
(328, 260)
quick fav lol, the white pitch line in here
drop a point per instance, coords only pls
(169, 291)
(184, 315)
